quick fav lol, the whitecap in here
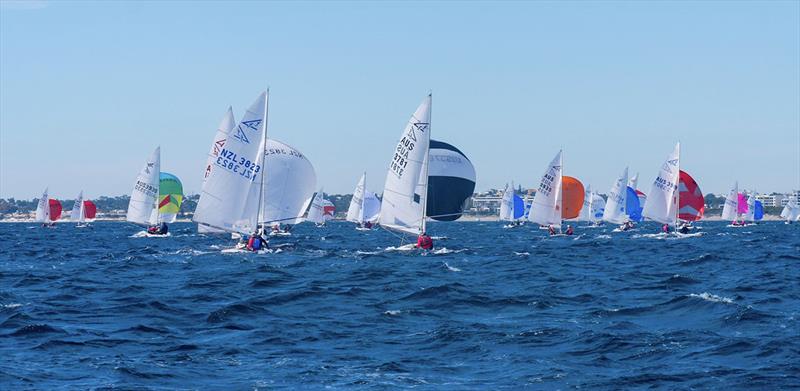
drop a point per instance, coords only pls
(452, 269)
(712, 298)
(11, 305)
(392, 312)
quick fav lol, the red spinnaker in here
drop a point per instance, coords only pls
(55, 209)
(692, 203)
(89, 209)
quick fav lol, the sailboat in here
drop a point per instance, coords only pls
(143, 205)
(316, 211)
(615, 209)
(731, 206)
(83, 211)
(662, 201)
(791, 211)
(48, 210)
(232, 196)
(546, 205)
(593, 207)
(365, 206)
(512, 208)
(405, 191)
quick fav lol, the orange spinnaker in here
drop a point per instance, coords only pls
(572, 197)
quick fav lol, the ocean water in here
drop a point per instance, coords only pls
(333, 307)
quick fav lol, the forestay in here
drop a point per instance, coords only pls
(142, 205)
(405, 189)
(662, 201)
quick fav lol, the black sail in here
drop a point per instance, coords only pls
(451, 181)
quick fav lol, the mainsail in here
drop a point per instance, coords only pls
(615, 204)
(731, 206)
(354, 212)
(316, 214)
(662, 201)
(791, 212)
(77, 209)
(546, 206)
(507, 204)
(236, 174)
(43, 208)
(142, 204)
(406, 184)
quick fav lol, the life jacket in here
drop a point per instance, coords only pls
(250, 242)
(256, 243)
(425, 242)
(569, 231)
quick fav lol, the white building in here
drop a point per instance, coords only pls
(770, 200)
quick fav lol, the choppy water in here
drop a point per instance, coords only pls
(500, 308)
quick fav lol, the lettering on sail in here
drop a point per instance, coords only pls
(665, 184)
(404, 148)
(546, 187)
(145, 188)
(229, 161)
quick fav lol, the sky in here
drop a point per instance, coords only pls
(89, 89)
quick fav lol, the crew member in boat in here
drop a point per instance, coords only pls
(256, 242)
(162, 229)
(570, 231)
(665, 228)
(368, 224)
(551, 230)
(424, 241)
(627, 226)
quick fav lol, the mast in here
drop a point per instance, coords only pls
(427, 167)
(363, 199)
(158, 187)
(678, 188)
(263, 163)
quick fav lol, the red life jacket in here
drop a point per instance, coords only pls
(424, 242)
(250, 242)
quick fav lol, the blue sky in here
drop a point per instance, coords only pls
(87, 90)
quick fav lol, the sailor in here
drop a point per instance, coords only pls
(570, 231)
(368, 224)
(665, 228)
(551, 230)
(424, 241)
(164, 229)
(684, 229)
(256, 242)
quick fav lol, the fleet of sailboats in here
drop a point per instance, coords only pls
(252, 182)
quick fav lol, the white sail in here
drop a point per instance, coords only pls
(357, 202)
(316, 212)
(237, 172)
(406, 184)
(598, 207)
(662, 201)
(730, 208)
(546, 208)
(224, 129)
(615, 204)
(633, 183)
(586, 210)
(371, 208)
(751, 208)
(43, 208)
(288, 185)
(142, 205)
(791, 212)
(77, 209)
(507, 205)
